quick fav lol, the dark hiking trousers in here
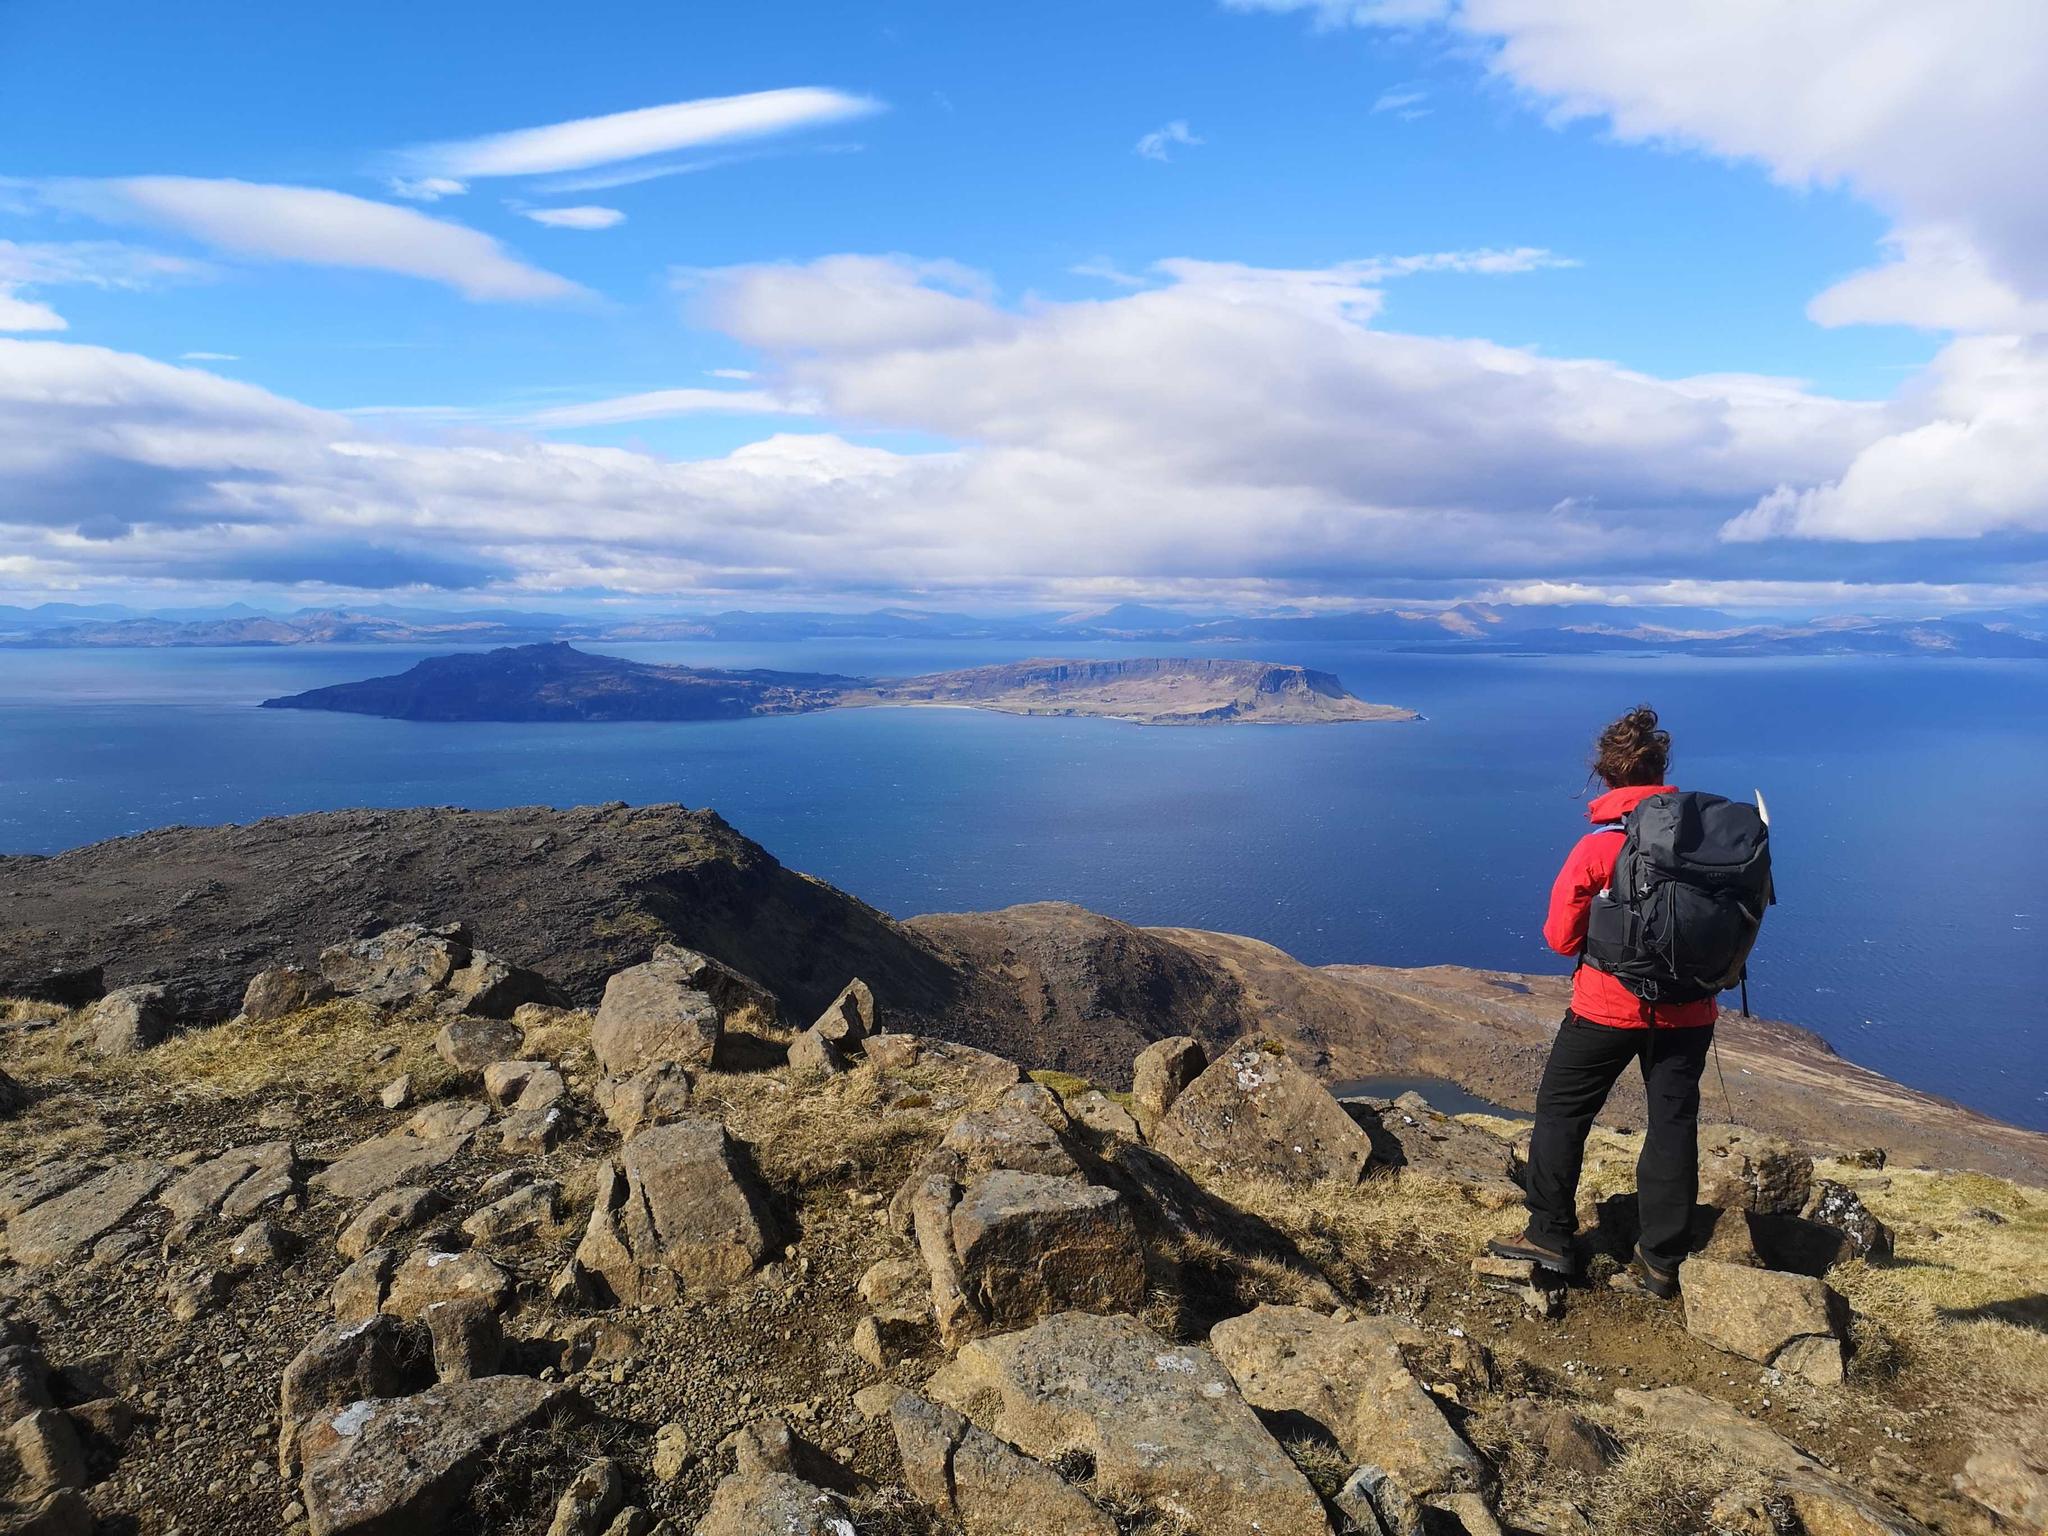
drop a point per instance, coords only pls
(1584, 1063)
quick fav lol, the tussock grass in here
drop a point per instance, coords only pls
(841, 1132)
(340, 1046)
(1359, 1225)
(1668, 1483)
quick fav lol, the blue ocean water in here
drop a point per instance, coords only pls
(1911, 854)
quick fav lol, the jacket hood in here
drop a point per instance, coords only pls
(1617, 803)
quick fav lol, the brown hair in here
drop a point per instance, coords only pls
(1633, 750)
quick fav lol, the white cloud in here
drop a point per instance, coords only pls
(846, 302)
(591, 141)
(657, 403)
(1935, 280)
(209, 357)
(18, 314)
(1107, 271)
(1157, 144)
(315, 226)
(586, 217)
(425, 189)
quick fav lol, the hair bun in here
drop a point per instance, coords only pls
(1633, 750)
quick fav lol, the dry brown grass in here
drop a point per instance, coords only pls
(1361, 1225)
(844, 1132)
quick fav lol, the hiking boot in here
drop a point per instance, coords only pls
(1540, 1254)
(1660, 1282)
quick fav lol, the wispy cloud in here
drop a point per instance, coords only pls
(425, 189)
(209, 357)
(587, 216)
(654, 404)
(317, 227)
(1103, 268)
(1404, 101)
(1158, 144)
(621, 136)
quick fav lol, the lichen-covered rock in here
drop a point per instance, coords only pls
(1255, 1111)
(652, 1013)
(384, 1466)
(470, 1044)
(1791, 1321)
(1836, 1205)
(773, 1504)
(1031, 1244)
(64, 1226)
(654, 1095)
(1164, 1424)
(1161, 1073)
(1101, 1116)
(1745, 1170)
(380, 1357)
(1351, 1380)
(676, 1214)
(987, 1488)
(130, 1019)
(282, 990)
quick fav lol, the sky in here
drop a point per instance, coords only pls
(1257, 304)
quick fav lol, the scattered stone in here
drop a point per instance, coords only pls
(681, 1216)
(520, 1214)
(654, 1095)
(504, 1081)
(468, 1340)
(1164, 1424)
(129, 1019)
(1790, 1321)
(884, 1339)
(396, 1094)
(1865, 1157)
(2011, 1485)
(379, 1357)
(768, 1444)
(987, 1488)
(386, 1216)
(590, 1501)
(1568, 1442)
(1351, 1381)
(192, 1293)
(450, 1119)
(773, 1504)
(64, 1226)
(1160, 1074)
(429, 1276)
(470, 1044)
(1745, 1170)
(261, 1244)
(24, 1382)
(282, 990)
(530, 1132)
(1031, 1244)
(672, 1452)
(652, 1013)
(895, 1285)
(401, 1464)
(1377, 1503)
(1256, 1111)
(1510, 1273)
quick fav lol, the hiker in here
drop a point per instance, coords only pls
(1660, 903)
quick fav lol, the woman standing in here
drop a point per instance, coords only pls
(1607, 1027)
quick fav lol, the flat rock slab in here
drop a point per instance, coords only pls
(1790, 1321)
(397, 1466)
(987, 1488)
(1163, 1423)
(31, 1186)
(1351, 1380)
(384, 1162)
(66, 1225)
(771, 1504)
(234, 1185)
(1256, 1111)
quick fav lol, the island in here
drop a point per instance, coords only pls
(557, 682)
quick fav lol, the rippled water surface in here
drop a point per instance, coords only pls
(1911, 846)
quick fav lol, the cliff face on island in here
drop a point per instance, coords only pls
(590, 1172)
(559, 683)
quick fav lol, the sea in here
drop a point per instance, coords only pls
(1908, 832)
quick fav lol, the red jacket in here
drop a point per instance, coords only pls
(1596, 996)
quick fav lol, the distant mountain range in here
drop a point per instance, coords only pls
(1579, 629)
(557, 682)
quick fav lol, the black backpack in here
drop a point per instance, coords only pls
(1690, 887)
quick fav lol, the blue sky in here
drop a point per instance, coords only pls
(1279, 302)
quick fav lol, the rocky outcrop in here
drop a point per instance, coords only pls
(981, 1484)
(1409, 1135)
(1256, 1112)
(282, 990)
(385, 1466)
(61, 1228)
(678, 1214)
(1159, 1075)
(1163, 1424)
(773, 1504)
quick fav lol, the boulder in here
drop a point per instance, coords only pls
(1791, 1321)
(451, 1119)
(1567, 1442)
(398, 964)
(468, 1339)
(979, 1142)
(1163, 1424)
(735, 994)
(652, 1013)
(1409, 1135)
(813, 1057)
(850, 1017)
(63, 1227)
(262, 1244)
(1724, 1235)
(530, 1132)
(1160, 1074)
(1840, 1207)
(387, 1215)
(130, 1019)
(677, 1214)
(1255, 1112)
(523, 1084)
(380, 1357)
(772, 1504)
(961, 1068)
(47, 1452)
(358, 1291)
(654, 1095)
(1745, 1170)
(470, 1044)
(282, 990)
(428, 1277)
(386, 1466)
(495, 988)
(2004, 1480)
(517, 1215)
(1377, 1504)
(1351, 1381)
(63, 1513)
(986, 1488)
(1032, 1244)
